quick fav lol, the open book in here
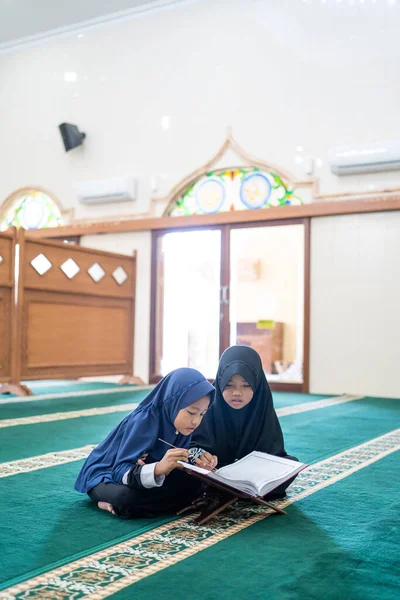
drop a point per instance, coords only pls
(256, 474)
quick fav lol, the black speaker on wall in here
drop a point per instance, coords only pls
(71, 136)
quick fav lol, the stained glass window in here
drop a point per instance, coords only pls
(237, 189)
(32, 210)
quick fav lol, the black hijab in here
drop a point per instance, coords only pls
(232, 433)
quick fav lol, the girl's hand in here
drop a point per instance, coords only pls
(207, 461)
(142, 460)
(170, 461)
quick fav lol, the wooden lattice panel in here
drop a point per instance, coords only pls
(74, 269)
(77, 311)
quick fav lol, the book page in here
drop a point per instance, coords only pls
(258, 468)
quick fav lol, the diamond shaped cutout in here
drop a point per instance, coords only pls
(96, 272)
(41, 264)
(120, 275)
(70, 268)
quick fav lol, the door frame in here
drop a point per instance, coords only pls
(306, 222)
(224, 299)
(155, 310)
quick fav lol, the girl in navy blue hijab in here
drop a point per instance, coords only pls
(115, 474)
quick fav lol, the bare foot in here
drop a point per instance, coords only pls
(106, 506)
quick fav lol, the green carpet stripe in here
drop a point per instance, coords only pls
(289, 398)
(26, 408)
(55, 458)
(54, 439)
(104, 573)
(51, 459)
(315, 405)
(311, 436)
(71, 404)
(315, 435)
(49, 387)
(117, 390)
(62, 416)
(59, 416)
(55, 436)
(44, 387)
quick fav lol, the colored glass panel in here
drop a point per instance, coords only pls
(33, 210)
(235, 189)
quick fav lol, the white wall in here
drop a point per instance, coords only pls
(283, 73)
(355, 300)
(126, 243)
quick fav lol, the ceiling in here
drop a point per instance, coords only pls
(22, 20)
(328, 31)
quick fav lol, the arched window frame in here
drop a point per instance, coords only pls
(243, 161)
(12, 199)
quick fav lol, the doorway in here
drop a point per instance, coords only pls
(232, 284)
(266, 307)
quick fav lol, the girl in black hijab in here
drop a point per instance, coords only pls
(242, 418)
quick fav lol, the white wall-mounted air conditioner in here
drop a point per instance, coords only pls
(365, 158)
(101, 191)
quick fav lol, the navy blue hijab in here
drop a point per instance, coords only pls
(232, 433)
(138, 432)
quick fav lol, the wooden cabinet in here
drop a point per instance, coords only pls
(267, 342)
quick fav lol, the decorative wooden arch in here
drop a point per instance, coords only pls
(11, 199)
(249, 161)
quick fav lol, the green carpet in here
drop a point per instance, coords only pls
(310, 436)
(52, 522)
(56, 387)
(317, 434)
(55, 436)
(282, 399)
(26, 408)
(339, 544)
(46, 524)
(15, 410)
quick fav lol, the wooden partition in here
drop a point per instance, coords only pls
(76, 311)
(7, 307)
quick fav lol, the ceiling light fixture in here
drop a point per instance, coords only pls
(70, 76)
